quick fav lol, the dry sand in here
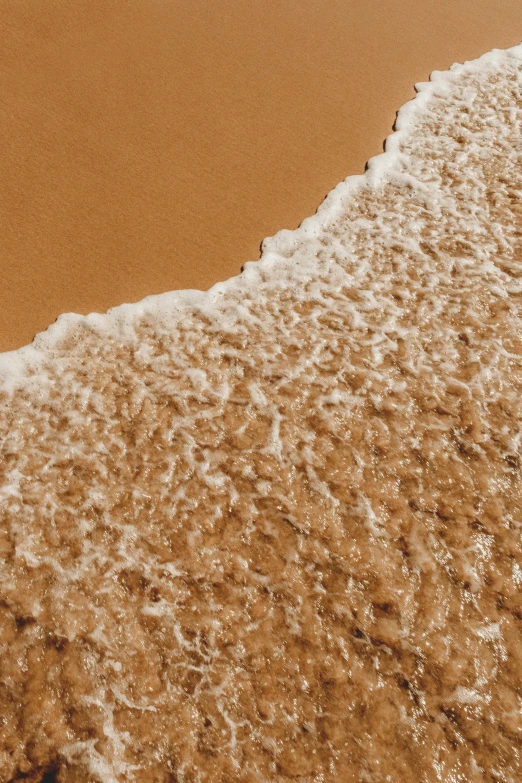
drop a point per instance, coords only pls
(152, 145)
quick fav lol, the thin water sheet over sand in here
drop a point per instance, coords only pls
(272, 532)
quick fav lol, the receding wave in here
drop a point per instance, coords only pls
(272, 532)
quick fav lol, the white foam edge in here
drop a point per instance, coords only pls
(381, 168)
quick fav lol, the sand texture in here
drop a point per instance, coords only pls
(272, 532)
(149, 145)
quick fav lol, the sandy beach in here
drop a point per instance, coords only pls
(149, 146)
(270, 532)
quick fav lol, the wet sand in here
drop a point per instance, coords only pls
(148, 146)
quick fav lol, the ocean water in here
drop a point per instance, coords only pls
(271, 532)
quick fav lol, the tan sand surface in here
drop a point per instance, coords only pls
(152, 144)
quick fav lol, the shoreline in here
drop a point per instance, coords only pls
(309, 476)
(151, 149)
(275, 249)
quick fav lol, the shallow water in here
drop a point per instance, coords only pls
(272, 532)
